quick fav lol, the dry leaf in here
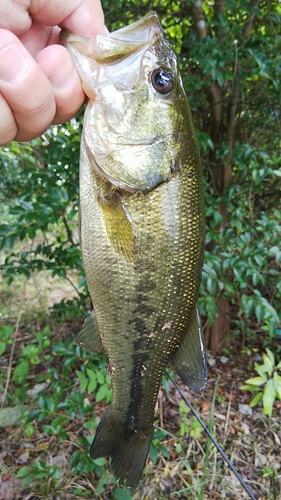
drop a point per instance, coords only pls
(204, 405)
(277, 439)
(245, 427)
(245, 409)
(10, 490)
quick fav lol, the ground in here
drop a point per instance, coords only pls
(45, 453)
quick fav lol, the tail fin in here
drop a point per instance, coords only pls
(128, 449)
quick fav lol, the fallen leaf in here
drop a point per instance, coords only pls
(60, 460)
(23, 458)
(32, 393)
(11, 415)
(245, 409)
(204, 405)
(245, 427)
(42, 446)
(276, 437)
(260, 460)
(170, 414)
(224, 360)
(10, 490)
(6, 477)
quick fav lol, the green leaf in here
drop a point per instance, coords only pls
(259, 310)
(2, 348)
(92, 386)
(257, 381)
(269, 396)
(269, 363)
(256, 399)
(278, 390)
(102, 392)
(262, 370)
(50, 404)
(23, 471)
(83, 380)
(100, 377)
(277, 380)
(27, 480)
(153, 452)
(270, 356)
(92, 374)
(250, 388)
(120, 494)
(21, 371)
(196, 430)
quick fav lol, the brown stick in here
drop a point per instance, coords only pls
(9, 371)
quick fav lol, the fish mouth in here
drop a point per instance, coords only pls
(119, 44)
(146, 28)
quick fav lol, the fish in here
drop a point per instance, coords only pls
(142, 230)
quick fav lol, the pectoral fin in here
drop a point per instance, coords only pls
(89, 337)
(189, 360)
(118, 226)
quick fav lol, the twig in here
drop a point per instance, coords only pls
(72, 284)
(228, 410)
(214, 474)
(9, 371)
(220, 450)
(68, 230)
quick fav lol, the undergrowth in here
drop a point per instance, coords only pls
(54, 394)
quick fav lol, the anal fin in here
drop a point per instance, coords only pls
(89, 337)
(189, 360)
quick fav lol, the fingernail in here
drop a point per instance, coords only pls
(63, 76)
(13, 64)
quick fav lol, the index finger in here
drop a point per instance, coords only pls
(84, 17)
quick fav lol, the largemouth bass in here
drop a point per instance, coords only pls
(142, 230)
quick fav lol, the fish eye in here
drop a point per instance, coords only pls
(162, 80)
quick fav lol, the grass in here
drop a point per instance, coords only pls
(45, 454)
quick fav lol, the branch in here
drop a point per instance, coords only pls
(216, 104)
(231, 114)
(249, 22)
(40, 161)
(199, 18)
(72, 284)
(3, 397)
(68, 230)
(219, 9)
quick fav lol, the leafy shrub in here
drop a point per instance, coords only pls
(267, 384)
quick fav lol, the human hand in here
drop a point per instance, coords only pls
(39, 85)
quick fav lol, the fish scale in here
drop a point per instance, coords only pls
(142, 232)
